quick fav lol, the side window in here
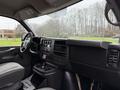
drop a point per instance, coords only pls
(10, 32)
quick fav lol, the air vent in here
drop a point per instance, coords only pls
(60, 49)
(113, 57)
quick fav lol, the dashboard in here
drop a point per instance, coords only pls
(54, 51)
(96, 60)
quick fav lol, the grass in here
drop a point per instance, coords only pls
(107, 39)
(10, 42)
(17, 41)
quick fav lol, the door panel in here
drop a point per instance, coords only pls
(8, 54)
(13, 54)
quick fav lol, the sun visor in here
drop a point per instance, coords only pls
(26, 13)
(42, 7)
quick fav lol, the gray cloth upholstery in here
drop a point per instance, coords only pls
(10, 74)
(16, 86)
(47, 88)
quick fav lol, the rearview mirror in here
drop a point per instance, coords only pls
(110, 16)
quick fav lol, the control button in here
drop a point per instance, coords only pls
(44, 56)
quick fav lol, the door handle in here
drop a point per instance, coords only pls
(8, 50)
(8, 57)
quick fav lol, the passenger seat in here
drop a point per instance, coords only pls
(11, 75)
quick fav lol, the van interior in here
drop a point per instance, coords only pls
(43, 62)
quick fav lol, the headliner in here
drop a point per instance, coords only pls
(10, 8)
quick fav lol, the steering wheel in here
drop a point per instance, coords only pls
(26, 42)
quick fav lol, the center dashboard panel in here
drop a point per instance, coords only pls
(95, 60)
(54, 51)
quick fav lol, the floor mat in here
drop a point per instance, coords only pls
(27, 85)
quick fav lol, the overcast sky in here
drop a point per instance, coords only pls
(6, 23)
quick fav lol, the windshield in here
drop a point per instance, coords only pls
(82, 21)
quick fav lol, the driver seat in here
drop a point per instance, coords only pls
(11, 75)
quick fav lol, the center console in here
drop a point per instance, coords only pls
(46, 50)
(46, 70)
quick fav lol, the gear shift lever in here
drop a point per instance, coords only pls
(43, 65)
